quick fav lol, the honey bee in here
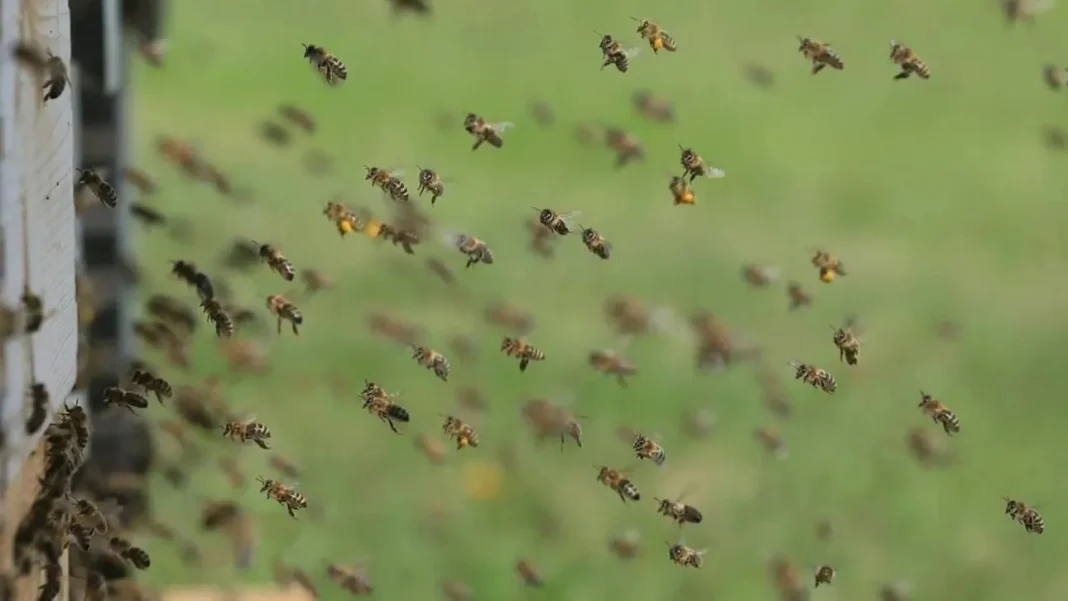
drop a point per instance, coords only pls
(509, 317)
(926, 449)
(188, 273)
(626, 146)
(542, 241)
(224, 324)
(462, 432)
(329, 66)
(126, 550)
(274, 133)
(298, 117)
(678, 511)
(39, 405)
(100, 187)
(559, 223)
(276, 261)
(648, 448)
(518, 347)
(406, 239)
(818, 378)
(656, 36)
(454, 590)
(821, 54)
(284, 466)
(618, 481)
(394, 329)
(1026, 515)
(48, 66)
(685, 556)
(389, 181)
(543, 114)
(1016, 10)
(798, 296)
(315, 281)
(284, 494)
(772, 441)
(615, 54)
(345, 219)
(626, 545)
(284, 310)
(611, 363)
(848, 344)
(529, 573)
(419, 7)
(596, 243)
(430, 181)
(124, 398)
(485, 132)
(910, 63)
(150, 382)
(476, 250)
(432, 360)
(787, 579)
(939, 413)
(381, 403)
(352, 579)
(653, 107)
(824, 575)
(248, 429)
(828, 265)
(681, 191)
(694, 165)
(759, 276)
(759, 75)
(1055, 77)
(431, 448)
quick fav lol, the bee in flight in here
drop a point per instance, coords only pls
(188, 273)
(678, 511)
(276, 261)
(329, 66)
(828, 265)
(432, 360)
(648, 448)
(939, 413)
(518, 347)
(462, 432)
(50, 67)
(389, 181)
(285, 495)
(224, 324)
(150, 382)
(1025, 514)
(485, 132)
(695, 166)
(124, 398)
(430, 181)
(685, 556)
(611, 363)
(798, 296)
(248, 429)
(284, 310)
(1055, 77)
(596, 243)
(681, 191)
(560, 223)
(100, 187)
(821, 54)
(476, 250)
(653, 107)
(379, 402)
(824, 575)
(618, 481)
(818, 378)
(656, 36)
(848, 344)
(910, 63)
(615, 54)
(344, 218)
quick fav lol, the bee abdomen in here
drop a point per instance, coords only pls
(398, 413)
(950, 421)
(692, 515)
(658, 456)
(629, 490)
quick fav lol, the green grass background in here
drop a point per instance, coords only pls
(939, 196)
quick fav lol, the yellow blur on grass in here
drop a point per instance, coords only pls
(483, 480)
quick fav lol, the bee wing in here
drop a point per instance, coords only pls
(666, 320)
(715, 173)
(632, 52)
(501, 127)
(570, 218)
(797, 364)
(396, 173)
(453, 240)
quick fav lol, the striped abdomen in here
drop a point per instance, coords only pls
(629, 490)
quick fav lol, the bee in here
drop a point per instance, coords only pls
(345, 219)
(298, 117)
(695, 166)
(86, 512)
(406, 239)
(648, 448)
(1055, 77)
(542, 241)
(1025, 514)
(759, 75)
(818, 378)
(224, 324)
(617, 481)
(568, 425)
(626, 545)
(274, 133)
(352, 579)
(476, 250)
(848, 344)
(380, 403)
(542, 113)
(772, 441)
(787, 579)
(939, 413)
(462, 432)
(678, 511)
(821, 54)
(315, 281)
(681, 191)
(653, 107)
(910, 63)
(759, 276)
(454, 590)
(431, 448)
(485, 132)
(1016, 10)
(329, 66)
(39, 405)
(389, 181)
(611, 363)
(626, 146)
(99, 186)
(126, 550)
(171, 310)
(615, 54)
(685, 556)
(419, 7)
(925, 448)
(284, 466)
(518, 347)
(248, 429)
(432, 360)
(828, 265)
(188, 273)
(430, 181)
(798, 296)
(47, 65)
(596, 243)
(824, 575)
(280, 306)
(529, 573)
(509, 317)
(656, 36)
(276, 261)
(824, 530)
(150, 382)
(124, 398)
(284, 494)
(559, 223)
(146, 214)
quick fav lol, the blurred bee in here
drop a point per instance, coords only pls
(353, 579)
(48, 66)
(315, 281)
(476, 250)
(685, 556)
(772, 441)
(678, 511)
(939, 413)
(395, 329)
(284, 310)
(224, 324)
(542, 241)
(276, 261)
(611, 363)
(1015, 10)
(542, 113)
(233, 472)
(910, 63)
(824, 575)
(656, 36)
(895, 592)
(759, 276)
(560, 223)
(150, 382)
(1056, 138)
(848, 344)
(378, 402)
(681, 191)
(627, 147)
(284, 466)
(182, 154)
(100, 187)
(140, 180)
(626, 545)
(596, 243)
(284, 494)
(345, 219)
(441, 270)
(248, 429)
(787, 579)
(529, 573)
(126, 550)
(818, 378)
(699, 423)
(485, 132)
(124, 398)
(615, 54)
(329, 66)
(925, 448)
(188, 273)
(389, 181)
(824, 530)
(798, 296)
(298, 117)
(715, 346)
(419, 7)
(454, 590)
(406, 239)
(653, 107)
(821, 54)
(828, 265)
(1055, 77)
(617, 481)
(518, 347)
(462, 432)
(431, 448)
(509, 317)
(1026, 515)
(648, 448)
(39, 405)
(695, 166)
(274, 133)
(568, 425)
(432, 360)
(759, 75)
(430, 181)
(146, 214)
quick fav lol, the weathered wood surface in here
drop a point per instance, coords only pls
(291, 593)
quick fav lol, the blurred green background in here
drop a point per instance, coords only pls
(939, 196)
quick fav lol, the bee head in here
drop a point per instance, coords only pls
(310, 51)
(545, 216)
(589, 235)
(894, 47)
(506, 343)
(606, 41)
(804, 42)
(371, 172)
(426, 175)
(642, 24)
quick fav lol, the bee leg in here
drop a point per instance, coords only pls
(818, 67)
(279, 325)
(296, 332)
(478, 143)
(902, 75)
(433, 199)
(261, 444)
(408, 247)
(290, 510)
(621, 497)
(391, 426)
(561, 443)
(622, 381)
(523, 363)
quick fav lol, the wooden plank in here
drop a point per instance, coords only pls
(291, 593)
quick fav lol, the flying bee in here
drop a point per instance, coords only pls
(124, 398)
(224, 324)
(626, 545)
(284, 494)
(695, 166)
(380, 403)
(431, 448)
(1025, 514)
(828, 265)
(656, 36)
(648, 448)
(596, 243)
(485, 132)
(772, 441)
(939, 413)
(329, 66)
(798, 296)
(678, 511)
(389, 181)
(818, 378)
(476, 250)
(926, 449)
(100, 187)
(188, 273)
(560, 223)
(344, 218)
(276, 261)
(1055, 77)
(626, 146)
(298, 117)
(569, 426)
(615, 54)
(248, 429)
(432, 360)
(47, 65)
(39, 404)
(824, 575)
(681, 191)
(150, 382)
(508, 316)
(315, 281)
(618, 481)
(787, 579)
(542, 241)
(398, 236)
(462, 432)
(759, 276)
(520, 348)
(352, 579)
(685, 556)
(430, 181)
(530, 574)
(611, 363)
(418, 7)
(1016, 10)
(848, 344)
(284, 310)
(126, 550)
(908, 61)
(653, 107)
(820, 53)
